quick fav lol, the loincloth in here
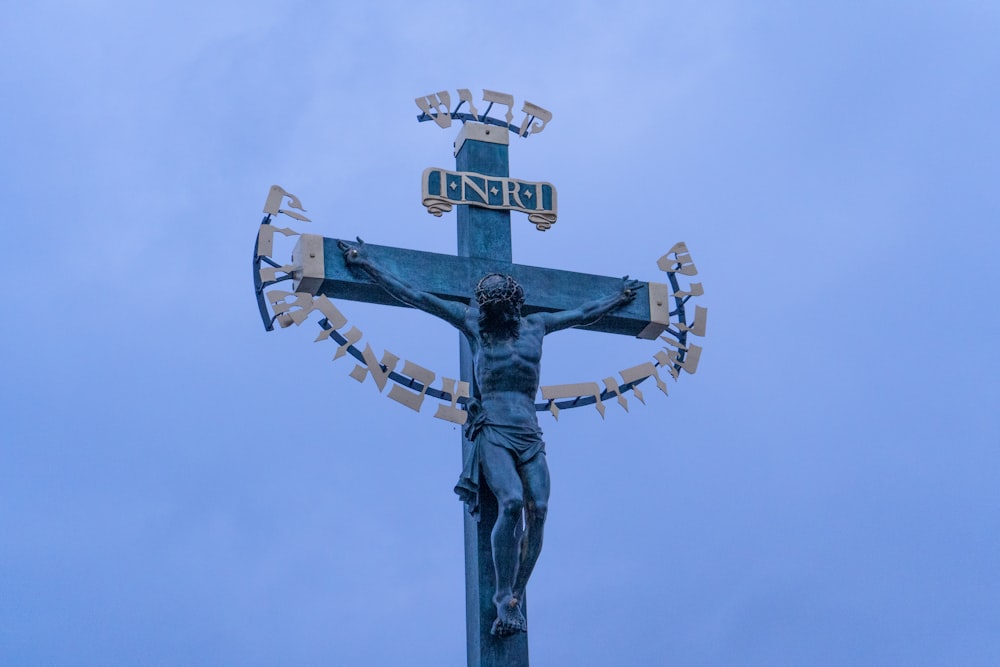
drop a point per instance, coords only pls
(524, 442)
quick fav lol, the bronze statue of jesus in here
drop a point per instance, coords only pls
(502, 423)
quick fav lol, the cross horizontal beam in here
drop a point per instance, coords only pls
(320, 269)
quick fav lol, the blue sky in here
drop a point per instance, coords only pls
(179, 487)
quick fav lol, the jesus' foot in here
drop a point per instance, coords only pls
(510, 620)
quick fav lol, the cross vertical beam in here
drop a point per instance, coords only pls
(483, 234)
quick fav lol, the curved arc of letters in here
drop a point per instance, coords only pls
(437, 107)
(263, 247)
(685, 357)
(453, 392)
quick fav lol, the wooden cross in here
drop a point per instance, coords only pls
(484, 246)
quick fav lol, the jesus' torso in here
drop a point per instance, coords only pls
(507, 370)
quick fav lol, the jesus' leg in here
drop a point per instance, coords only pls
(535, 480)
(505, 483)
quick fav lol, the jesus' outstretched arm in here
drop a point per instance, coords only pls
(356, 255)
(591, 311)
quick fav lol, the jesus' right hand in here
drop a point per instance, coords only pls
(355, 254)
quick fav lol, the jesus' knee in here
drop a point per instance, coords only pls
(510, 506)
(536, 511)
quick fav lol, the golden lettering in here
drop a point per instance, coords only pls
(694, 289)
(506, 99)
(439, 102)
(265, 238)
(352, 337)
(640, 372)
(698, 326)
(452, 412)
(691, 359)
(681, 257)
(465, 95)
(380, 376)
(269, 273)
(412, 399)
(612, 386)
(580, 389)
(532, 112)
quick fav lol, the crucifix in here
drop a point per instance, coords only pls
(503, 310)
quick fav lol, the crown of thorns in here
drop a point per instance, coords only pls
(498, 288)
